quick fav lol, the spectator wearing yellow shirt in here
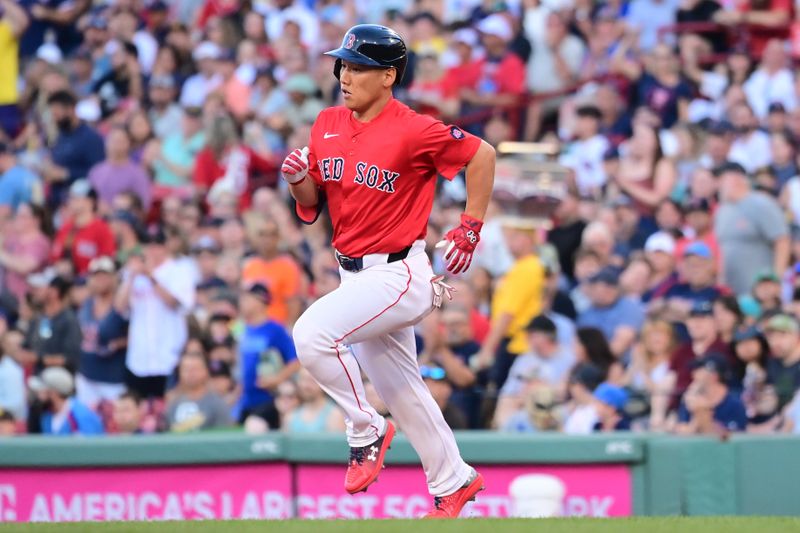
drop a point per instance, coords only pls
(13, 22)
(516, 300)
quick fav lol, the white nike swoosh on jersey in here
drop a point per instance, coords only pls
(329, 135)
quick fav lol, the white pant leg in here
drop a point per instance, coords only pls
(91, 393)
(390, 362)
(368, 304)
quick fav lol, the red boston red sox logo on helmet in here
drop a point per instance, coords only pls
(351, 39)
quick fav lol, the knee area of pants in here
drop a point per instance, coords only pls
(309, 340)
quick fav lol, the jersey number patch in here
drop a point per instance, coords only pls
(331, 168)
(375, 178)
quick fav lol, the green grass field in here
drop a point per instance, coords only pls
(566, 525)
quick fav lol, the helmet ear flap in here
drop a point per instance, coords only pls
(337, 68)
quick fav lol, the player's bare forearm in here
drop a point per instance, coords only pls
(305, 193)
(480, 180)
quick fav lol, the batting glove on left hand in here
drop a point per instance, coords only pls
(462, 243)
(295, 166)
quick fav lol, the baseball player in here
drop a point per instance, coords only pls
(374, 162)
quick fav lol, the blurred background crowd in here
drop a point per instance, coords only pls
(152, 267)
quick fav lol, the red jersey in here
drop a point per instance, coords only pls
(379, 177)
(506, 76)
(81, 245)
(244, 163)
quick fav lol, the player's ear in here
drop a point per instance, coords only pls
(389, 75)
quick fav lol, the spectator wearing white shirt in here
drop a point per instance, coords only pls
(207, 79)
(585, 155)
(284, 11)
(751, 147)
(772, 82)
(646, 17)
(13, 397)
(158, 293)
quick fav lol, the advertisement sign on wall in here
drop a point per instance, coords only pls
(519, 490)
(148, 493)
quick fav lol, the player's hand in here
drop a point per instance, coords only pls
(461, 243)
(295, 166)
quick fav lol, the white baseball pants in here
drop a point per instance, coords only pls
(373, 311)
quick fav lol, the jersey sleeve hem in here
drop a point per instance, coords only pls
(309, 214)
(449, 172)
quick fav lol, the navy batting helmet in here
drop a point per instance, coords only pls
(372, 45)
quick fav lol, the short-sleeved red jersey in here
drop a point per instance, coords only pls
(379, 176)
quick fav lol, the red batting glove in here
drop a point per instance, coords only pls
(295, 166)
(463, 241)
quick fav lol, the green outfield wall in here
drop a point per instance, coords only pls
(745, 475)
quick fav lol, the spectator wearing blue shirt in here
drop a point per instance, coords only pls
(77, 148)
(618, 317)
(267, 356)
(17, 183)
(698, 279)
(101, 369)
(62, 413)
(708, 406)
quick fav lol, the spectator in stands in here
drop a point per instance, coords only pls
(85, 235)
(267, 356)
(610, 401)
(617, 316)
(760, 401)
(516, 300)
(62, 414)
(585, 154)
(156, 294)
(174, 158)
(8, 424)
(25, 249)
(222, 382)
(127, 414)
(767, 292)
(748, 224)
(195, 405)
(101, 371)
(649, 373)
(729, 316)
(316, 412)
(646, 17)
(662, 88)
(581, 415)
(709, 406)
(784, 156)
(783, 367)
(118, 173)
(76, 150)
(13, 396)
(553, 66)
(751, 146)
(698, 280)
(274, 269)
(699, 216)
(659, 252)
(13, 23)
(127, 230)
(546, 362)
(450, 345)
(199, 86)
(703, 340)
(18, 184)
(54, 334)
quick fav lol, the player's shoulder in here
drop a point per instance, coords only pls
(413, 122)
(328, 117)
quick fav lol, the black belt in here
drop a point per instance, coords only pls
(354, 264)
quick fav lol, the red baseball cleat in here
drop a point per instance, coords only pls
(366, 462)
(450, 506)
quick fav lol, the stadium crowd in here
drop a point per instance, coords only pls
(152, 267)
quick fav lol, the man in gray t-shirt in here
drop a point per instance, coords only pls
(196, 406)
(751, 230)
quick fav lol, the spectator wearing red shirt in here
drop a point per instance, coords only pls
(84, 236)
(498, 78)
(227, 166)
(768, 19)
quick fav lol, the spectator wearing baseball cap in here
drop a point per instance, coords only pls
(699, 217)
(76, 150)
(85, 235)
(165, 114)
(267, 354)
(618, 317)
(610, 401)
(698, 276)
(703, 339)
(659, 250)
(547, 363)
(709, 406)
(783, 367)
(101, 371)
(207, 80)
(748, 225)
(61, 412)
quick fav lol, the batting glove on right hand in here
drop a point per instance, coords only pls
(462, 243)
(295, 166)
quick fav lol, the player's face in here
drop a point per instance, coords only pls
(362, 86)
